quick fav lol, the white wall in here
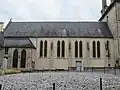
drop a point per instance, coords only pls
(53, 62)
(29, 57)
(112, 18)
(65, 62)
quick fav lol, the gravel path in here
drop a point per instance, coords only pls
(62, 80)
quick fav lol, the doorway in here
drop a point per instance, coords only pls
(15, 58)
(78, 66)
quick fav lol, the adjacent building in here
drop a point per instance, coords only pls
(1, 44)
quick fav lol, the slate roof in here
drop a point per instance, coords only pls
(1, 39)
(57, 29)
(18, 43)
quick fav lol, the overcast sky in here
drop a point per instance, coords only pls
(32, 10)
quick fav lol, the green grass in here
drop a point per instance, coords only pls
(9, 71)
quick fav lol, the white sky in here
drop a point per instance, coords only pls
(41, 10)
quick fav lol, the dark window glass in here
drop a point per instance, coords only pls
(63, 49)
(58, 49)
(76, 49)
(45, 49)
(15, 59)
(80, 49)
(94, 49)
(107, 45)
(98, 49)
(23, 58)
(41, 48)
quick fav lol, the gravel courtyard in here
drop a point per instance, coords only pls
(62, 80)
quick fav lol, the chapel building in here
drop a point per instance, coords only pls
(64, 45)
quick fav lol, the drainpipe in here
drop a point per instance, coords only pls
(31, 60)
(69, 54)
(51, 56)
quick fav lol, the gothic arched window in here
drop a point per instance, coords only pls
(107, 45)
(41, 48)
(63, 49)
(58, 49)
(15, 58)
(80, 49)
(23, 58)
(76, 48)
(98, 49)
(94, 49)
(107, 48)
(45, 49)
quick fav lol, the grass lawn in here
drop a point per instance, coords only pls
(9, 71)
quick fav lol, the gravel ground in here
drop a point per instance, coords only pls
(62, 80)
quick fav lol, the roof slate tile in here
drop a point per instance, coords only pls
(57, 29)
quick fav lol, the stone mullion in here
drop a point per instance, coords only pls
(96, 49)
(60, 48)
(19, 59)
(43, 49)
(78, 49)
(91, 49)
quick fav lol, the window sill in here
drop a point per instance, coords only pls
(96, 58)
(61, 58)
(78, 57)
(43, 57)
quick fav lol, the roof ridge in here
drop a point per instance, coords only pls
(59, 22)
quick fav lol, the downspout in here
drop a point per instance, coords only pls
(31, 59)
(69, 54)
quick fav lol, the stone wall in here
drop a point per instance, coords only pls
(29, 57)
(112, 18)
(53, 62)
